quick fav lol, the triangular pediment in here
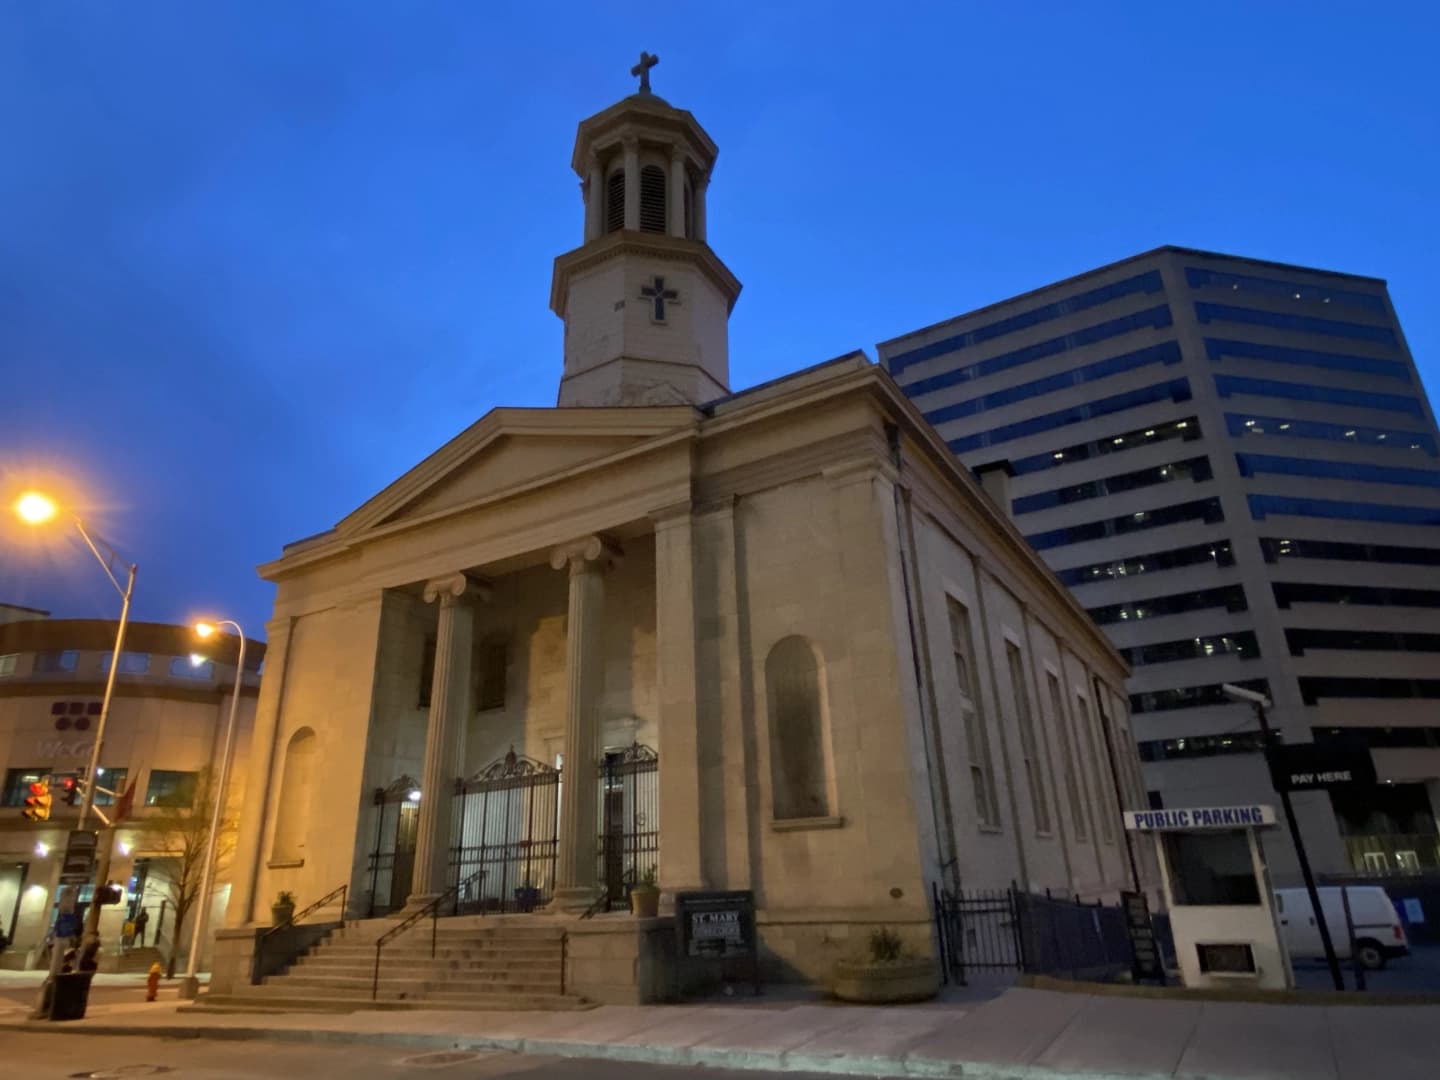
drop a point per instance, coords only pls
(511, 450)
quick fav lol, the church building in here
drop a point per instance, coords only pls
(776, 640)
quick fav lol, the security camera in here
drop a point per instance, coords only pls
(1239, 693)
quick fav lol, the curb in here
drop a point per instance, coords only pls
(1310, 998)
(905, 1066)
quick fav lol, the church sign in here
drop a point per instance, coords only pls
(717, 926)
(1200, 817)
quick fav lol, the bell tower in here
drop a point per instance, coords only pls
(646, 303)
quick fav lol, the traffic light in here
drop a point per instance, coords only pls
(70, 790)
(109, 894)
(37, 803)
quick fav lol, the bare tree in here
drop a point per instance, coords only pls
(178, 832)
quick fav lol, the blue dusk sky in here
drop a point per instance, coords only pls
(259, 258)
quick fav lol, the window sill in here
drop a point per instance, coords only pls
(985, 827)
(805, 823)
(284, 864)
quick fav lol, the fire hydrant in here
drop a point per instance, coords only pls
(152, 983)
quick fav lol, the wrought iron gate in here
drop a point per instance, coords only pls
(392, 860)
(629, 820)
(507, 818)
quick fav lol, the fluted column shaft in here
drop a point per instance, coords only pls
(575, 869)
(444, 737)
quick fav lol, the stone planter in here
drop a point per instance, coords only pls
(645, 901)
(281, 914)
(527, 898)
(904, 980)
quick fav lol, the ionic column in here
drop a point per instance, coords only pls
(676, 202)
(594, 201)
(632, 183)
(575, 870)
(444, 736)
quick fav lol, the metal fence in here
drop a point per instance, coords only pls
(1035, 933)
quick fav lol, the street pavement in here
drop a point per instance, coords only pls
(41, 1057)
(1022, 1032)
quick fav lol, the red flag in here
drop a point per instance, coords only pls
(124, 804)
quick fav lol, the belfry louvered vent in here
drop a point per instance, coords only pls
(615, 201)
(652, 199)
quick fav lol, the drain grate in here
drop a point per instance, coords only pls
(122, 1072)
(441, 1058)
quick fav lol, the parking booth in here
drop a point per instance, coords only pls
(1217, 890)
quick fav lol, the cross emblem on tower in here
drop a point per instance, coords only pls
(642, 69)
(657, 292)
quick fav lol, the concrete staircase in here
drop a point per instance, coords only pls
(133, 960)
(490, 963)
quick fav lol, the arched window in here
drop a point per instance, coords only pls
(292, 812)
(799, 757)
(615, 201)
(652, 199)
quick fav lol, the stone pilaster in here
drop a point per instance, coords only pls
(445, 734)
(680, 775)
(676, 202)
(594, 200)
(631, 148)
(586, 560)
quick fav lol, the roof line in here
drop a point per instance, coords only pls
(1164, 249)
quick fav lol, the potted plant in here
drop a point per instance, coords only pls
(283, 909)
(644, 896)
(526, 897)
(888, 973)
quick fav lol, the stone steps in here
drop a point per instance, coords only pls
(477, 964)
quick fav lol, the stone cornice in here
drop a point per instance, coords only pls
(643, 116)
(647, 244)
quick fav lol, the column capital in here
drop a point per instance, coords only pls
(630, 144)
(592, 552)
(677, 152)
(449, 588)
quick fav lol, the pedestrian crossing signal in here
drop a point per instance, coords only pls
(37, 803)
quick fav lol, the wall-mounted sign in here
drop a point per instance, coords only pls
(50, 749)
(1200, 817)
(1316, 767)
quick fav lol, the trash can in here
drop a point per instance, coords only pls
(72, 995)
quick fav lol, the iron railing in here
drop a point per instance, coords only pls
(343, 892)
(432, 909)
(605, 901)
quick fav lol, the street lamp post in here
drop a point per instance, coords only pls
(190, 987)
(36, 509)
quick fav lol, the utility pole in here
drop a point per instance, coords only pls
(1259, 703)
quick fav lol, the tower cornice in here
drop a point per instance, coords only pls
(635, 116)
(653, 245)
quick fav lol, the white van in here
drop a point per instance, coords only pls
(1378, 931)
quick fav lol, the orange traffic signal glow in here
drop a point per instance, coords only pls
(37, 803)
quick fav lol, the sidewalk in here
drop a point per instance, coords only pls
(1022, 1033)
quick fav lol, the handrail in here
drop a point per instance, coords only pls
(343, 892)
(433, 910)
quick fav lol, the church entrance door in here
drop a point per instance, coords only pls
(508, 829)
(392, 859)
(629, 840)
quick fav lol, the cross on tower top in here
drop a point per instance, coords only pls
(642, 69)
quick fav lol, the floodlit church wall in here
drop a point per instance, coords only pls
(328, 677)
(796, 543)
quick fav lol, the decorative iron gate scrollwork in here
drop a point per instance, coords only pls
(507, 818)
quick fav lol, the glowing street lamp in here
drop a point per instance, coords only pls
(190, 988)
(35, 508)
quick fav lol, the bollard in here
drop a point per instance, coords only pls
(152, 983)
